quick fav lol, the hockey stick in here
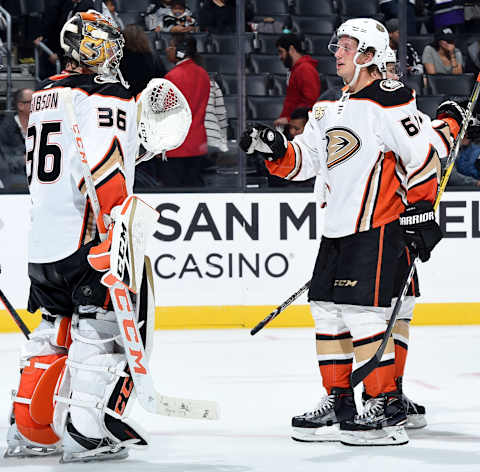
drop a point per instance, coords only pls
(149, 398)
(359, 374)
(15, 315)
(279, 309)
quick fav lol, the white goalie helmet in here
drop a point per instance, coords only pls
(94, 41)
(370, 34)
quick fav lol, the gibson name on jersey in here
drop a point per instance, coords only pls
(43, 101)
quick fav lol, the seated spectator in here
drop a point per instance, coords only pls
(216, 119)
(442, 57)
(13, 130)
(298, 120)
(467, 162)
(414, 64)
(155, 13)
(218, 16)
(303, 87)
(178, 19)
(109, 9)
(138, 64)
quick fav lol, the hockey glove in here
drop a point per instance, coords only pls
(99, 255)
(451, 109)
(268, 142)
(420, 229)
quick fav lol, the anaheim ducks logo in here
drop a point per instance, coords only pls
(342, 143)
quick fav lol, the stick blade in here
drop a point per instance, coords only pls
(186, 408)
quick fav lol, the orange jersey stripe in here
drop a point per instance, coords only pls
(379, 266)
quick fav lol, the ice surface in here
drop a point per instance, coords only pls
(260, 383)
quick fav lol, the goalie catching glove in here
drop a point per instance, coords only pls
(420, 229)
(268, 142)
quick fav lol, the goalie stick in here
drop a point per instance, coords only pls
(13, 313)
(149, 398)
(363, 371)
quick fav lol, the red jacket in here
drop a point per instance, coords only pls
(303, 86)
(194, 83)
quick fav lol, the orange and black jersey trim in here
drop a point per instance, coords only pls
(386, 93)
(88, 84)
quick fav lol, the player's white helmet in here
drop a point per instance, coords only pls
(388, 63)
(371, 36)
(94, 41)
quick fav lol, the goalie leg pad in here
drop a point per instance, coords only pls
(42, 358)
(96, 394)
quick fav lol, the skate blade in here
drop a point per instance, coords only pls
(322, 434)
(415, 422)
(113, 456)
(24, 453)
(388, 436)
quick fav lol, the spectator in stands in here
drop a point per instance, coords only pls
(57, 12)
(179, 19)
(467, 162)
(298, 120)
(13, 130)
(155, 13)
(303, 87)
(138, 64)
(218, 16)
(109, 9)
(183, 165)
(442, 57)
(216, 119)
(414, 64)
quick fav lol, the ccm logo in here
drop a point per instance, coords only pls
(130, 331)
(416, 219)
(345, 283)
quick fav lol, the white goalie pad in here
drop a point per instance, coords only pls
(163, 117)
(132, 229)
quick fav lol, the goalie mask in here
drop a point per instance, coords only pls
(94, 42)
(371, 36)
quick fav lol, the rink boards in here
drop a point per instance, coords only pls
(226, 260)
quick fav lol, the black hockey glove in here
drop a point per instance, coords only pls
(268, 142)
(420, 229)
(452, 109)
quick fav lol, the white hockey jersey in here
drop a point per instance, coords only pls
(352, 146)
(61, 219)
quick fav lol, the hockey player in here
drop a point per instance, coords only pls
(345, 144)
(443, 131)
(77, 342)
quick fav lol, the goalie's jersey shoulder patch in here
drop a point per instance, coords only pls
(89, 84)
(386, 93)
